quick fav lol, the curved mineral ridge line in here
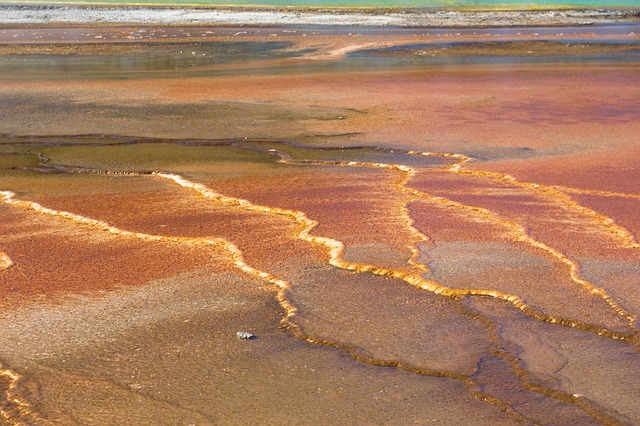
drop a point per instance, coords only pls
(620, 233)
(596, 192)
(500, 350)
(336, 250)
(624, 236)
(5, 261)
(421, 237)
(521, 234)
(282, 285)
(236, 255)
(16, 410)
(599, 193)
(558, 193)
(517, 231)
(527, 382)
(406, 172)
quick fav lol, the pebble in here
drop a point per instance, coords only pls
(245, 335)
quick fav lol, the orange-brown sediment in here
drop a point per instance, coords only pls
(485, 244)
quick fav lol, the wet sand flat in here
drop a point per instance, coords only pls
(411, 238)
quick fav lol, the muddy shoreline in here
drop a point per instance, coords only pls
(19, 15)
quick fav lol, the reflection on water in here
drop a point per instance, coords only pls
(132, 67)
(150, 59)
(195, 63)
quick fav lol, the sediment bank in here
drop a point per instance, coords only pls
(253, 16)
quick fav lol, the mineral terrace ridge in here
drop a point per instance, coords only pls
(224, 15)
(418, 226)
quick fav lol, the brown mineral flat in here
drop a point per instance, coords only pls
(410, 239)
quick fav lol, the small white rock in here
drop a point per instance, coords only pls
(244, 335)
